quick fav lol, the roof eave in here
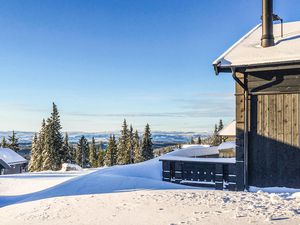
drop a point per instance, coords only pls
(284, 65)
(4, 164)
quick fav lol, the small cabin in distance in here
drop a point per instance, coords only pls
(11, 162)
(265, 65)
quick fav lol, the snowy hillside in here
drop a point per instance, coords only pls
(133, 194)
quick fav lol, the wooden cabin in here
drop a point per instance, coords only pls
(11, 162)
(265, 65)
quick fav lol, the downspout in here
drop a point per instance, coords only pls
(246, 119)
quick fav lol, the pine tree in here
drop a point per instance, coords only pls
(192, 141)
(13, 142)
(137, 148)
(72, 154)
(215, 139)
(41, 146)
(199, 141)
(82, 152)
(33, 163)
(147, 145)
(111, 152)
(66, 150)
(52, 151)
(57, 136)
(4, 143)
(123, 156)
(221, 126)
(93, 154)
(49, 154)
(130, 144)
(101, 156)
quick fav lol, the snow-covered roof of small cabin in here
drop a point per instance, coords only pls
(248, 51)
(229, 130)
(11, 157)
(227, 145)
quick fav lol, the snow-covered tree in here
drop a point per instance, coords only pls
(111, 152)
(82, 152)
(192, 141)
(147, 145)
(13, 142)
(33, 163)
(137, 148)
(52, 151)
(130, 144)
(199, 141)
(93, 154)
(123, 155)
(4, 143)
(100, 156)
(67, 150)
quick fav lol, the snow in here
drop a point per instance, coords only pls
(229, 130)
(70, 167)
(11, 157)
(133, 194)
(193, 151)
(187, 159)
(227, 145)
(247, 51)
(274, 189)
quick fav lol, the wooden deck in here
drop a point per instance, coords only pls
(213, 172)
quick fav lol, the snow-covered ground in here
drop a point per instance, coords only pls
(133, 194)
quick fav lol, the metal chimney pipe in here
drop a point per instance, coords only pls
(267, 38)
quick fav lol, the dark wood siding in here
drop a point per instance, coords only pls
(274, 82)
(274, 140)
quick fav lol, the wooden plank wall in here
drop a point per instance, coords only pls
(274, 138)
(278, 118)
(240, 123)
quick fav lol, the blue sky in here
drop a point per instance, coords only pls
(102, 61)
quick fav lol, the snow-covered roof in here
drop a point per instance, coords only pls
(227, 145)
(229, 130)
(11, 157)
(248, 51)
(211, 160)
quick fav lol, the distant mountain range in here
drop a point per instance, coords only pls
(159, 137)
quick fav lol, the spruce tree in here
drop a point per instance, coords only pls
(111, 152)
(101, 156)
(33, 164)
(137, 148)
(130, 144)
(66, 152)
(41, 147)
(4, 143)
(192, 141)
(82, 152)
(52, 151)
(123, 155)
(93, 154)
(57, 136)
(215, 139)
(13, 142)
(72, 154)
(49, 154)
(221, 126)
(147, 145)
(199, 141)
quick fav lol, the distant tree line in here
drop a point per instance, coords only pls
(12, 142)
(50, 149)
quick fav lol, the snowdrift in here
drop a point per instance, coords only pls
(141, 176)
